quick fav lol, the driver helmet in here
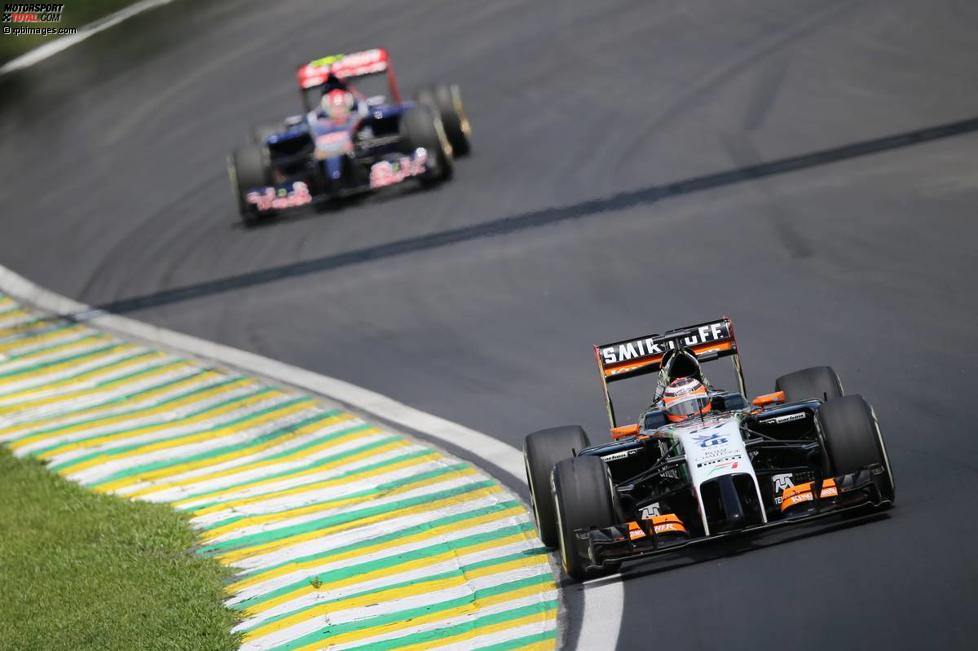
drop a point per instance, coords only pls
(684, 398)
(337, 103)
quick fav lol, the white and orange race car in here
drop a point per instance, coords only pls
(728, 469)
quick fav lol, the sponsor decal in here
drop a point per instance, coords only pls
(615, 456)
(353, 59)
(787, 418)
(797, 498)
(781, 483)
(342, 65)
(720, 460)
(634, 531)
(282, 197)
(829, 489)
(387, 173)
(668, 523)
(669, 527)
(798, 494)
(720, 467)
(709, 440)
(650, 346)
(650, 511)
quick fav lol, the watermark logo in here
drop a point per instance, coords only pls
(33, 18)
(31, 12)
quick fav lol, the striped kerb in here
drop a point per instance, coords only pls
(342, 533)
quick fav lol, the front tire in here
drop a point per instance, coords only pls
(584, 497)
(852, 439)
(248, 168)
(541, 452)
(446, 99)
(819, 382)
(421, 127)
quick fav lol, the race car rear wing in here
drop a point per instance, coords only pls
(630, 358)
(347, 66)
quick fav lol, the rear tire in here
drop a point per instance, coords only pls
(446, 99)
(248, 168)
(819, 382)
(583, 497)
(852, 439)
(541, 452)
(421, 127)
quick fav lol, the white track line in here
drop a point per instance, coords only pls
(603, 604)
(47, 50)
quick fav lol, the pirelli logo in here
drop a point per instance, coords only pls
(635, 350)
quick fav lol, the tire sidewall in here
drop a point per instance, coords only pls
(838, 443)
(596, 514)
(542, 450)
(421, 117)
(250, 157)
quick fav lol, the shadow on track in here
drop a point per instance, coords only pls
(543, 217)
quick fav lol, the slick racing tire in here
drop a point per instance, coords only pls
(248, 168)
(852, 439)
(446, 99)
(541, 452)
(421, 127)
(583, 497)
(818, 382)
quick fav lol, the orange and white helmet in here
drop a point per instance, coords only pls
(685, 397)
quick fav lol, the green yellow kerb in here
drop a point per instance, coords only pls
(331, 530)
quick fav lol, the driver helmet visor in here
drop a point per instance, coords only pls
(683, 407)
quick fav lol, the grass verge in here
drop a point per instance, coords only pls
(77, 13)
(87, 571)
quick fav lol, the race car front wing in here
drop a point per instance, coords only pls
(608, 547)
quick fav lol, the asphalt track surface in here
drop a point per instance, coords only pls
(637, 166)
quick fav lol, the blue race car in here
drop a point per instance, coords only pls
(355, 136)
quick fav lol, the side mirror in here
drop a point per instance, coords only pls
(623, 431)
(768, 399)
